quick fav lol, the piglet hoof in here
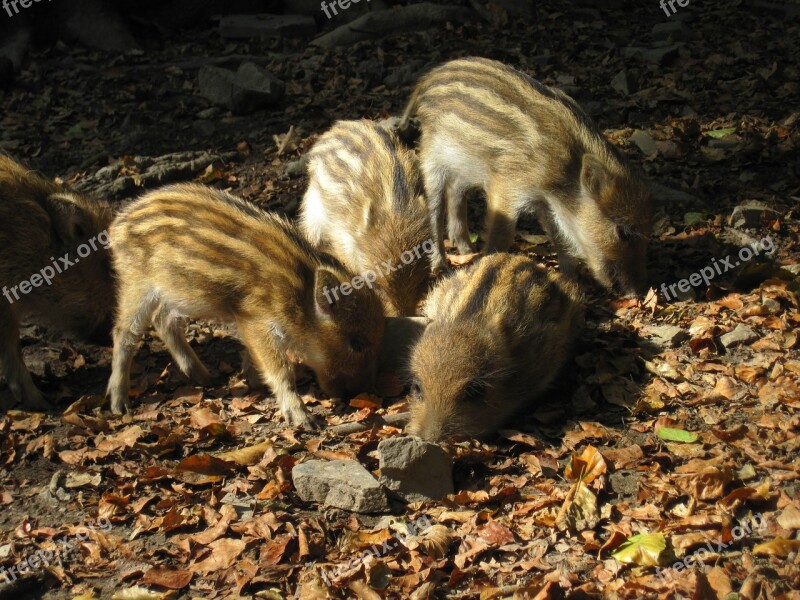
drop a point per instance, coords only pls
(201, 377)
(120, 406)
(298, 417)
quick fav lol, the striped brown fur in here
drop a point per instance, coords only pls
(364, 204)
(530, 148)
(40, 222)
(195, 252)
(500, 332)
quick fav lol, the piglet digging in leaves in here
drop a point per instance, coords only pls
(531, 149)
(43, 227)
(500, 332)
(364, 204)
(192, 251)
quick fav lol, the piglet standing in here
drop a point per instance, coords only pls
(54, 268)
(189, 251)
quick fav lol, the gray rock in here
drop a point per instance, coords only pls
(624, 83)
(644, 142)
(658, 56)
(414, 469)
(750, 215)
(296, 168)
(255, 88)
(667, 336)
(267, 26)
(661, 56)
(341, 484)
(671, 31)
(741, 335)
(244, 91)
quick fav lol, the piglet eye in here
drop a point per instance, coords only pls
(358, 344)
(624, 233)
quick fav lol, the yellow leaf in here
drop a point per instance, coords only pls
(777, 547)
(644, 550)
(588, 466)
(247, 457)
(139, 593)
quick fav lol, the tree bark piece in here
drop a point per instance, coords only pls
(397, 420)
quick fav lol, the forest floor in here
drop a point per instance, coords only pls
(685, 436)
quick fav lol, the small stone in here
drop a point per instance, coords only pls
(415, 470)
(772, 306)
(749, 215)
(644, 142)
(266, 26)
(296, 168)
(208, 113)
(243, 92)
(624, 83)
(344, 484)
(671, 31)
(741, 335)
(667, 336)
(255, 88)
(658, 56)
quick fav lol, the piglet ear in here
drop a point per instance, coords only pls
(595, 178)
(326, 290)
(69, 220)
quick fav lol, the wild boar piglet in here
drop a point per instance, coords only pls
(365, 206)
(189, 251)
(531, 148)
(500, 331)
(54, 268)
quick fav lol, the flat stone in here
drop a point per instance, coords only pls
(658, 56)
(266, 26)
(661, 56)
(671, 31)
(245, 91)
(415, 470)
(667, 336)
(750, 215)
(624, 83)
(344, 484)
(644, 142)
(741, 335)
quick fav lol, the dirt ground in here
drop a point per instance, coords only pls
(715, 122)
